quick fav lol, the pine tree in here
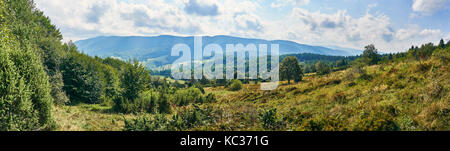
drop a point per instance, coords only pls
(25, 100)
(441, 44)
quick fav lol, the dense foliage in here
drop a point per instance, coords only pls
(290, 69)
(25, 100)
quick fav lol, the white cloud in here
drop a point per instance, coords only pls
(87, 18)
(447, 37)
(343, 30)
(283, 3)
(299, 2)
(428, 6)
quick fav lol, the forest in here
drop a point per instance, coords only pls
(49, 85)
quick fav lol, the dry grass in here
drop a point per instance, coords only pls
(405, 96)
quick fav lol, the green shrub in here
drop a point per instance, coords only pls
(163, 103)
(25, 100)
(375, 121)
(271, 121)
(236, 85)
(339, 97)
(185, 119)
(145, 102)
(210, 98)
(158, 122)
(187, 96)
(324, 123)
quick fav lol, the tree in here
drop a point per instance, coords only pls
(370, 55)
(83, 78)
(134, 80)
(322, 69)
(25, 100)
(290, 69)
(112, 87)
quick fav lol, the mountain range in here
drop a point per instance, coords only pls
(155, 51)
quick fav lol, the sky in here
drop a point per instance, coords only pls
(391, 25)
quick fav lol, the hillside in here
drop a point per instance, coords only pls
(155, 51)
(48, 85)
(405, 95)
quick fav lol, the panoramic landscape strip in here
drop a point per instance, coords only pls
(73, 68)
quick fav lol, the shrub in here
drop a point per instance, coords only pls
(185, 119)
(210, 98)
(324, 123)
(434, 89)
(146, 102)
(158, 122)
(270, 120)
(375, 121)
(295, 116)
(339, 97)
(58, 93)
(436, 116)
(236, 85)
(163, 103)
(187, 96)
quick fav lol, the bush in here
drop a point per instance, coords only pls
(375, 121)
(270, 120)
(158, 122)
(324, 123)
(187, 96)
(58, 93)
(145, 102)
(185, 119)
(339, 97)
(210, 98)
(163, 103)
(236, 85)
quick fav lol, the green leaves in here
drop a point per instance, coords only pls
(25, 101)
(290, 69)
(370, 55)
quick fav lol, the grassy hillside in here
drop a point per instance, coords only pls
(49, 85)
(399, 95)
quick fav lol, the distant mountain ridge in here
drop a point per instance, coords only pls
(155, 51)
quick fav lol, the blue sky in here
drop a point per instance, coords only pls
(392, 25)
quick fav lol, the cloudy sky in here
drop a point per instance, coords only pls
(392, 25)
